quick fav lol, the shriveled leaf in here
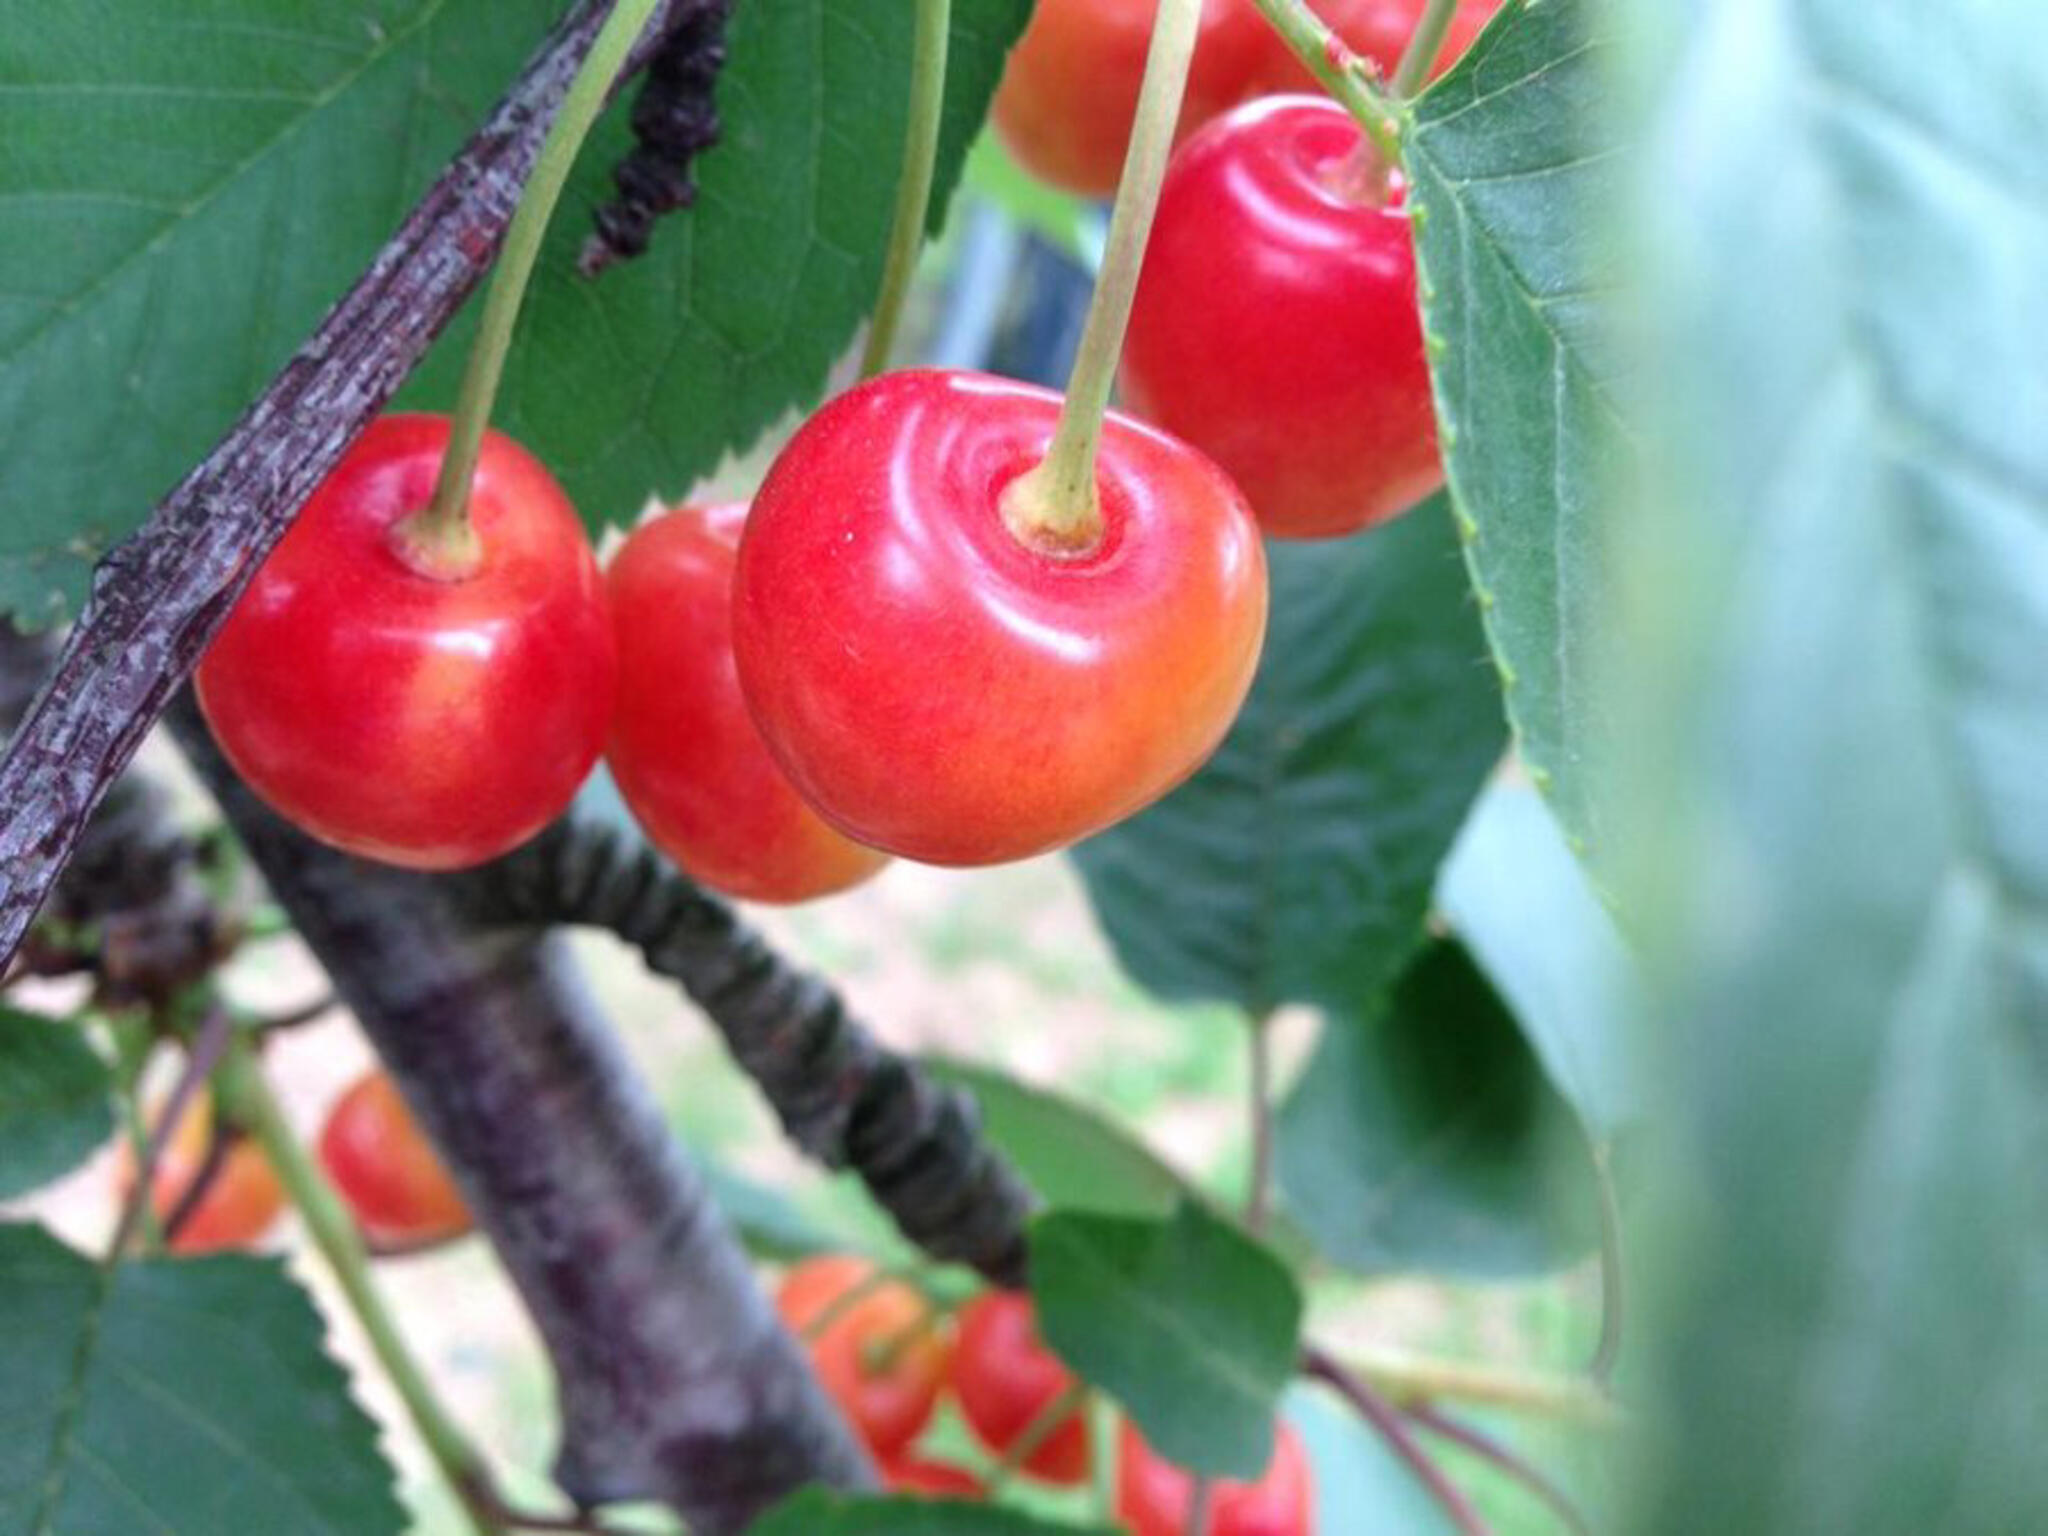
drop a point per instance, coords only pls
(176, 1395)
(1512, 166)
(56, 1100)
(1190, 1324)
(1296, 866)
(1844, 835)
(1423, 1136)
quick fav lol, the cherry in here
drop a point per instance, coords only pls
(387, 1170)
(241, 1201)
(1276, 328)
(687, 756)
(1376, 30)
(1153, 1494)
(940, 686)
(881, 1354)
(1070, 90)
(426, 722)
(1005, 1379)
(910, 1474)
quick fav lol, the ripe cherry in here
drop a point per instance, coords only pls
(240, 1202)
(1070, 89)
(1152, 1494)
(387, 1170)
(687, 755)
(876, 1345)
(1376, 30)
(952, 691)
(910, 1474)
(1006, 1379)
(1276, 328)
(425, 722)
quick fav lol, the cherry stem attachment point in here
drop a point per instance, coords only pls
(1425, 46)
(1347, 77)
(1053, 505)
(438, 541)
(914, 185)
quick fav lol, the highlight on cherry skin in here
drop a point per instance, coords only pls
(940, 687)
(386, 1169)
(1069, 92)
(421, 721)
(879, 1349)
(1276, 324)
(1153, 1496)
(687, 756)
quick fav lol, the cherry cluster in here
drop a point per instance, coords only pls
(213, 1190)
(887, 1354)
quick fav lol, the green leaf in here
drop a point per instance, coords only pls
(189, 1395)
(1296, 866)
(1071, 1155)
(1190, 1324)
(1843, 838)
(1518, 898)
(1510, 165)
(821, 1512)
(187, 194)
(1424, 1136)
(56, 1100)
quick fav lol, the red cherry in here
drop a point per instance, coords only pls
(1276, 328)
(1005, 1378)
(241, 1202)
(939, 687)
(1376, 30)
(429, 723)
(687, 756)
(1152, 1494)
(1070, 89)
(881, 1355)
(387, 1170)
(908, 1474)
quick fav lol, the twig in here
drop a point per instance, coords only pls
(1383, 1417)
(220, 1138)
(160, 595)
(1489, 1449)
(207, 1048)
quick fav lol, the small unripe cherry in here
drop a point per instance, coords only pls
(386, 1169)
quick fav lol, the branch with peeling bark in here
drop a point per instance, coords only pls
(158, 598)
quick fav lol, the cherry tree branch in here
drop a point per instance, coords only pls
(677, 1382)
(158, 598)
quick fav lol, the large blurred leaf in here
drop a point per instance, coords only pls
(821, 1512)
(175, 1395)
(1191, 1325)
(188, 187)
(1521, 902)
(1511, 166)
(56, 1104)
(1068, 1153)
(1296, 866)
(1846, 835)
(1424, 1136)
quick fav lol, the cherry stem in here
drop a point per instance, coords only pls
(1346, 76)
(1490, 1450)
(335, 1234)
(1258, 1200)
(914, 185)
(1072, 1399)
(1053, 505)
(1425, 44)
(438, 541)
(1383, 1416)
(1613, 1268)
(207, 1048)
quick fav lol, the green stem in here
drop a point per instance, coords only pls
(1613, 1269)
(1259, 1192)
(1338, 70)
(1072, 1399)
(438, 541)
(1198, 1507)
(914, 186)
(1406, 1380)
(1425, 44)
(1053, 505)
(248, 1095)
